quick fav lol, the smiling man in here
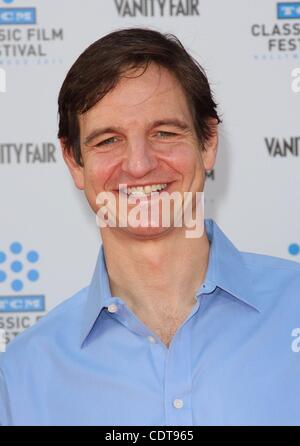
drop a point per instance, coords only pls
(172, 330)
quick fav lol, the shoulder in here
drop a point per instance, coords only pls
(275, 279)
(270, 263)
(58, 326)
(269, 267)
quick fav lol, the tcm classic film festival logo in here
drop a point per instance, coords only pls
(21, 45)
(22, 41)
(21, 303)
(279, 38)
(286, 147)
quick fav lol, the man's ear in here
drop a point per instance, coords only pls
(75, 169)
(209, 152)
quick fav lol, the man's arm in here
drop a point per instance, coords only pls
(4, 403)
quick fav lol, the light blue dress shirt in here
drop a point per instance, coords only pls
(234, 361)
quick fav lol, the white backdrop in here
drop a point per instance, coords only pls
(248, 49)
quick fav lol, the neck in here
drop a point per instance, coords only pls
(155, 274)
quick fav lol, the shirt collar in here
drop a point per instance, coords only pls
(98, 297)
(226, 270)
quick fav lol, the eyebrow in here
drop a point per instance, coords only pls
(171, 122)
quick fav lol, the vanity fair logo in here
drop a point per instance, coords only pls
(157, 8)
(28, 153)
(283, 147)
(151, 206)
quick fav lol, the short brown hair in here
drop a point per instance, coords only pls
(99, 68)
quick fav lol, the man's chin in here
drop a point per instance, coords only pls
(145, 233)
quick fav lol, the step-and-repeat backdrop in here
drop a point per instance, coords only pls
(250, 50)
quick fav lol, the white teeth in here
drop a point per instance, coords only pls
(146, 189)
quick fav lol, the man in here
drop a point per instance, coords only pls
(172, 330)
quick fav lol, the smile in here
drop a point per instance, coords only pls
(141, 190)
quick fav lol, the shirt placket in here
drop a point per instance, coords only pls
(178, 376)
(174, 362)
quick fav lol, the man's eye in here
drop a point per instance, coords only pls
(165, 134)
(106, 142)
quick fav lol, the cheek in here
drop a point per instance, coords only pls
(186, 159)
(96, 172)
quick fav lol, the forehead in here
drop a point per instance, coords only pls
(140, 95)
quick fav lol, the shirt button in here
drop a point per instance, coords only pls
(178, 404)
(112, 308)
(151, 339)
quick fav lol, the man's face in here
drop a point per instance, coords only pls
(141, 133)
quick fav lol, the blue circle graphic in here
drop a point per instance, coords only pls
(2, 276)
(2, 257)
(16, 266)
(32, 256)
(33, 275)
(16, 248)
(17, 285)
(294, 249)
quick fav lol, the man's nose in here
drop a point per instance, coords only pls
(139, 159)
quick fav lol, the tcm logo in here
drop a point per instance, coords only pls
(290, 10)
(17, 271)
(17, 16)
